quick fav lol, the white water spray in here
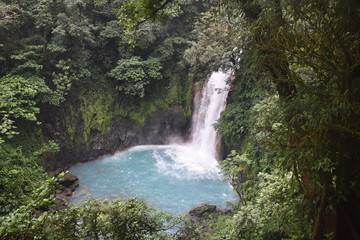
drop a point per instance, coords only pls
(173, 177)
(207, 109)
(197, 157)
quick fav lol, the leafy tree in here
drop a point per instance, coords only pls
(135, 12)
(323, 111)
(237, 169)
(214, 47)
(20, 175)
(18, 100)
(270, 210)
(170, 48)
(134, 74)
(28, 60)
(309, 51)
(129, 219)
(8, 14)
(299, 52)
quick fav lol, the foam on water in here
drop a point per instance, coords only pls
(160, 175)
(187, 162)
(207, 109)
(173, 177)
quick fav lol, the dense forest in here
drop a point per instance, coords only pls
(83, 78)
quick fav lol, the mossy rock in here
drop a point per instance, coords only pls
(202, 210)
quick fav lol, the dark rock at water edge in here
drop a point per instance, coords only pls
(124, 133)
(67, 186)
(202, 210)
(199, 220)
(68, 180)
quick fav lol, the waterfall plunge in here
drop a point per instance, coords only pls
(172, 177)
(198, 156)
(208, 105)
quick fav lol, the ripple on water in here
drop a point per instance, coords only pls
(174, 178)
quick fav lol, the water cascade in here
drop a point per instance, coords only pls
(173, 177)
(207, 109)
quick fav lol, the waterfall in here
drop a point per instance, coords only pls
(208, 104)
(174, 177)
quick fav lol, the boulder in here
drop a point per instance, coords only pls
(67, 186)
(69, 180)
(198, 219)
(202, 210)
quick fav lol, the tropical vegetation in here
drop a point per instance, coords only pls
(291, 128)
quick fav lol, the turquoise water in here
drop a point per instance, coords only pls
(173, 178)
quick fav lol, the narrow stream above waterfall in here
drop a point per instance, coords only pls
(172, 177)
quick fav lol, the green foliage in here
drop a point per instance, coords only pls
(235, 121)
(18, 100)
(28, 59)
(96, 112)
(8, 14)
(71, 46)
(71, 23)
(49, 147)
(130, 219)
(271, 209)
(143, 111)
(215, 47)
(236, 169)
(312, 124)
(212, 228)
(63, 79)
(170, 48)
(20, 175)
(132, 13)
(263, 120)
(143, 16)
(233, 124)
(135, 74)
(188, 96)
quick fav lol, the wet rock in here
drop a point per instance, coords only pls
(202, 210)
(162, 124)
(67, 186)
(205, 211)
(178, 119)
(69, 180)
(198, 218)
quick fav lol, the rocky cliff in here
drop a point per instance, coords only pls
(92, 124)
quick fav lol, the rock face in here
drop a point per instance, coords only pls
(124, 133)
